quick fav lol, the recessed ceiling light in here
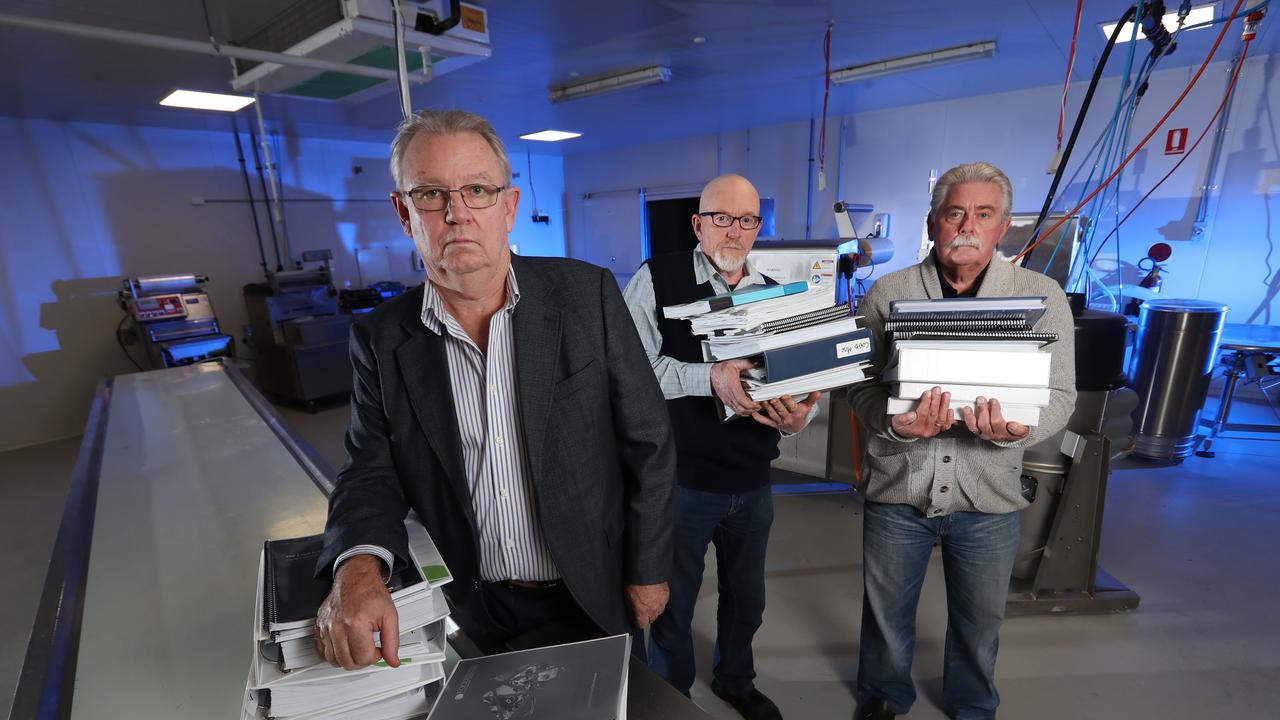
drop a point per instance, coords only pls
(550, 135)
(1198, 15)
(205, 101)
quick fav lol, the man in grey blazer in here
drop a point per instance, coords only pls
(508, 402)
(927, 476)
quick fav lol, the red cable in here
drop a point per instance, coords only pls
(822, 143)
(1071, 62)
(1049, 233)
(1230, 86)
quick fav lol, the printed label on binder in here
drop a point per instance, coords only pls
(853, 347)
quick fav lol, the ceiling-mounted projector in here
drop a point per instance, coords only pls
(447, 34)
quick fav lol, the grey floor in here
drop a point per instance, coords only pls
(1196, 541)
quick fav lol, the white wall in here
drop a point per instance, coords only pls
(85, 205)
(887, 156)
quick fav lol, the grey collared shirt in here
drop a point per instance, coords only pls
(512, 544)
(677, 379)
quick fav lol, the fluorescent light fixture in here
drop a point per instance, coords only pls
(608, 83)
(959, 53)
(550, 135)
(1199, 14)
(205, 101)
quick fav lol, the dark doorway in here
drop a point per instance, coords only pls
(670, 224)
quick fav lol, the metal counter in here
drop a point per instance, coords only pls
(147, 609)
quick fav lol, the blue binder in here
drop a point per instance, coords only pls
(817, 355)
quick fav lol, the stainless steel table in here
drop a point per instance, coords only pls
(147, 609)
(1248, 351)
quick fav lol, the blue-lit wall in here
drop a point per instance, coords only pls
(88, 204)
(886, 157)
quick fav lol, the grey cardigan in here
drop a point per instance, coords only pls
(955, 471)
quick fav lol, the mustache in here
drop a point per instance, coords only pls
(960, 241)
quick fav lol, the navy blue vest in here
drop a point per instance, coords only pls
(730, 457)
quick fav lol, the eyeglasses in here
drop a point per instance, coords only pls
(430, 198)
(724, 220)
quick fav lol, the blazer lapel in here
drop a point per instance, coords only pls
(536, 331)
(425, 370)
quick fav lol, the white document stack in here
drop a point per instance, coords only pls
(290, 681)
(971, 348)
(801, 343)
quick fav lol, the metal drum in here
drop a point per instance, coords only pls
(1172, 364)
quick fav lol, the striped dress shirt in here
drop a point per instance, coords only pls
(512, 545)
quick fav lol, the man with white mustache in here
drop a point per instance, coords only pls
(929, 477)
(724, 496)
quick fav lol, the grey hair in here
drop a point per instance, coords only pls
(967, 173)
(444, 122)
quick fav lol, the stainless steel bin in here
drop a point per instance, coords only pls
(1172, 364)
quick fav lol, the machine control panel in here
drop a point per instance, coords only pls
(158, 307)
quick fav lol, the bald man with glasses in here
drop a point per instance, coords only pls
(724, 497)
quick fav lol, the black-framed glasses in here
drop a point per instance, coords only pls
(430, 198)
(724, 220)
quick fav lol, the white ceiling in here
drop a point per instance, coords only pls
(761, 62)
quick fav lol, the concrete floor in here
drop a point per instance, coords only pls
(1194, 540)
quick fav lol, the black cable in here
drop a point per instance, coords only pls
(248, 188)
(262, 181)
(529, 159)
(123, 348)
(1075, 129)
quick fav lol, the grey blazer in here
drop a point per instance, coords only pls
(987, 474)
(596, 434)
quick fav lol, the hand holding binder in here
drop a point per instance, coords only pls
(932, 416)
(988, 423)
(358, 606)
(726, 383)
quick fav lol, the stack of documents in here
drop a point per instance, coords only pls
(578, 681)
(801, 343)
(971, 348)
(289, 680)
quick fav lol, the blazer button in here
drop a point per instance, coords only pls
(946, 458)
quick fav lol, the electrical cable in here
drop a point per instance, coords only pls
(248, 188)
(123, 348)
(1235, 73)
(826, 92)
(1194, 79)
(1071, 61)
(529, 159)
(1107, 134)
(1075, 130)
(402, 70)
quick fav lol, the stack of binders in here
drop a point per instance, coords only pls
(971, 348)
(290, 681)
(801, 342)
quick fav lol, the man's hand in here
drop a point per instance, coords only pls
(358, 605)
(786, 414)
(726, 383)
(988, 422)
(646, 603)
(932, 415)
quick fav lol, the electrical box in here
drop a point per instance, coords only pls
(360, 32)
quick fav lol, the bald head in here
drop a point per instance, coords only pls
(735, 197)
(728, 187)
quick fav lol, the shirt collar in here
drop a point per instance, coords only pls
(435, 315)
(704, 271)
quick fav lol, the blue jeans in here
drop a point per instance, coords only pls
(738, 524)
(978, 550)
